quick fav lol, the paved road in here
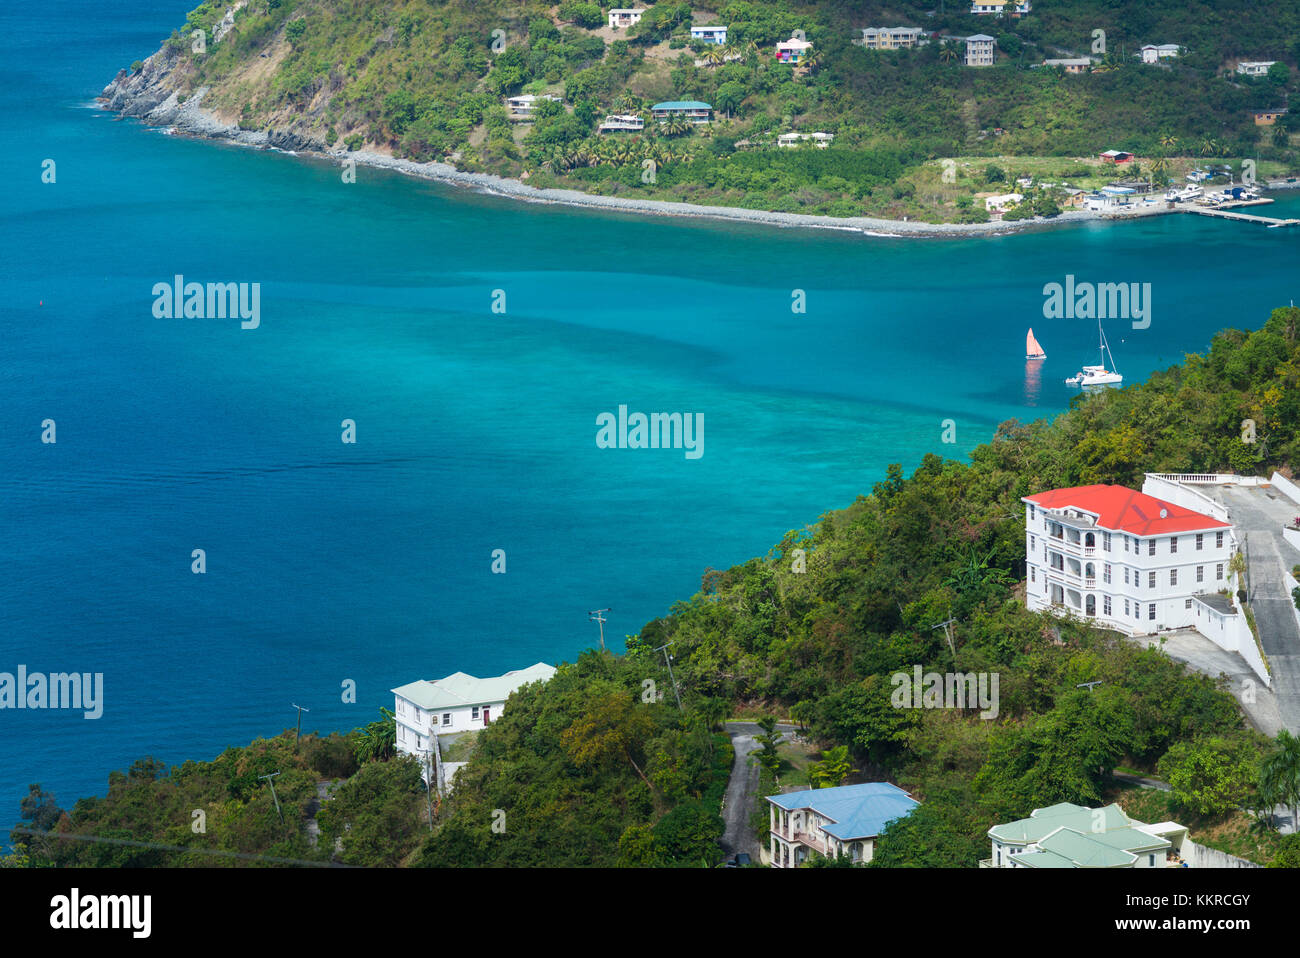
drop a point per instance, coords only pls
(1144, 782)
(1259, 512)
(738, 802)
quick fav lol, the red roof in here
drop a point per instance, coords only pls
(1127, 510)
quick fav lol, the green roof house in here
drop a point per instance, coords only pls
(1072, 836)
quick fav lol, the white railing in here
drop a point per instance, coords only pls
(1286, 487)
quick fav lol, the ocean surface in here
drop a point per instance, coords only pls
(371, 562)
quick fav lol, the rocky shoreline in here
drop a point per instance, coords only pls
(148, 95)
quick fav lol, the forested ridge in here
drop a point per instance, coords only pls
(599, 767)
(426, 80)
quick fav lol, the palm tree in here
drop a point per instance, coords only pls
(948, 51)
(715, 56)
(1279, 774)
(1168, 140)
(627, 102)
(1159, 168)
(1210, 147)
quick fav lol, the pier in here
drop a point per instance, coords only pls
(1228, 211)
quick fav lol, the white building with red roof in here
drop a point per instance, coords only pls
(1135, 563)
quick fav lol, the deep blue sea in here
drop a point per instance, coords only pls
(476, 429)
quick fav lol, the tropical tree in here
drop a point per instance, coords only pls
(728, 97)
(377, 741)
(1279, 774)
(833, 768)
(769, 758)
(948, 51)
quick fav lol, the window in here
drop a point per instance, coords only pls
(1126, 575)
(1200, 541)
(1151, 547)
(1105, 541)
(1173, 545)
(473, 713)
(446, 718)
(1187, 604)
(1218, 571)
(1126, 606)
(1200, 573)
(1105, 572)
(1151, 611)
(1151, 580)
(1152, 859)
(1173, 577)
(1032, 543)
(1033, 574)
(1218, 540)
(1105, 605)
(1126, 543)
(1031, 510)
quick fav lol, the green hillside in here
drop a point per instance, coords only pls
(427, 80)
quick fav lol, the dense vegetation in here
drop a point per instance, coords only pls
(426, 80)
(598, 766)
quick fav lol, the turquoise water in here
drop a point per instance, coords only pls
(476, 429)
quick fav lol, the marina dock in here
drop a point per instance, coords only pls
(1228, 211)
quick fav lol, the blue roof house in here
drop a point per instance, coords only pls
(845, 820)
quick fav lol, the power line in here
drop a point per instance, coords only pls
(669, 660)
(298, 733)
(246, 856)
(597, 615)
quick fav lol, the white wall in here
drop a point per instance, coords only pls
(1181, 495)
(1286, 487)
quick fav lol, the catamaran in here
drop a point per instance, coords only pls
(1032, 349)
(1098, 375)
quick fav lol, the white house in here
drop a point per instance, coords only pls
(1000, 202)
(716, 35)
(820, 140)
(845, 820)
(625, 17)
(457, 703)
(1130, 561)
(1153, 52)
(979, 50)
(1017, 8)
(522, 107)
(621, 121)
(1254, 68)
(1071, 836)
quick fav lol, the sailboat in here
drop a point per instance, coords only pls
(1032, 349)
(1098, 375)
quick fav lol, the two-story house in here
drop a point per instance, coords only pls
(845, 820)
(1072, 836)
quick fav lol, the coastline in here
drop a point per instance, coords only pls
(142, 96)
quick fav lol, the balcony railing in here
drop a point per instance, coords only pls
(812, 841)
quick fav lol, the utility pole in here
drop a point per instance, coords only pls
(428, 780)
(668, 659)
(598, 615)
(946, 625)
(271, 778)
(298, 734)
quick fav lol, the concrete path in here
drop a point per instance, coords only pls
(1259, 512)
(738, 803)
(1144, 782)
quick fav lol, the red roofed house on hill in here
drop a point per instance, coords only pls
(1135, 563)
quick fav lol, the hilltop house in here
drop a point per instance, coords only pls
(1001, 202)
(1134, 563)
(1269, 117)
(979, 50)
(820, 140)
(457, 703)
(1071, 836)
(625, 17)
(1017, 8)
(1154, 52)
(715, 34)
(621, 121)
(845, 820)
(792, 51)
(1254, 68)
(1115, 156)
(693, 110)
(890, 38)
(1071, 64)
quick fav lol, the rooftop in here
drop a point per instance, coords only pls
(681, 105)
(1126, 510)
(459, 689)
(857, 811)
